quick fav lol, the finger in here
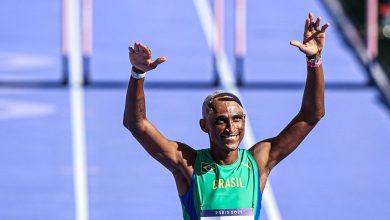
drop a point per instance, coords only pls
(311, 18)
(324, 27)
(298, 44)
(143, 48)
(307, 23)
(158, 61)
(136, 47)
(317, 24)
(149, 51)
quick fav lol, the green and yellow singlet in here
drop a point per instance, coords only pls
(228, 192)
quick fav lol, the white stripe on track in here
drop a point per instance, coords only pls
(228, 82)
(77, 110)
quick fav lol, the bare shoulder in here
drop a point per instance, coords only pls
(260, 149)
(261, 152)
(183, 172)
(186, 155)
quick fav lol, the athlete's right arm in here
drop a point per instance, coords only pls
(175, 156)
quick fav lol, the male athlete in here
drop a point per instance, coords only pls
(223, 181)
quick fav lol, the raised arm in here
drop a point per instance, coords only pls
(270, 152)
(173, 155)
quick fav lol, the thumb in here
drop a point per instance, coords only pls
(298, 44)
(158, 61)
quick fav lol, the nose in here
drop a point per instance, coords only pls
(230, 126)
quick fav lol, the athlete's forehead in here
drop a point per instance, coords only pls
(220, 99)
(225, 105)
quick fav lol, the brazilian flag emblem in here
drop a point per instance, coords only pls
(208, 167)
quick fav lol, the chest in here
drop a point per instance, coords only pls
(218, 187)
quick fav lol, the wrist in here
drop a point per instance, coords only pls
(316, 55)
(137, 73)
(315, 60)
(137, 70)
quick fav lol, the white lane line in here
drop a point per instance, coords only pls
(228, 82)
(77, 110)
(79, 154)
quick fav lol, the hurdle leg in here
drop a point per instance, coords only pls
(87, 39)
(64, 43)
(218, 37)
(240, 39)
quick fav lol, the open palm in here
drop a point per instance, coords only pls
(313, 37)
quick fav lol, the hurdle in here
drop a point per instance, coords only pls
(86, 40)
(239, 38)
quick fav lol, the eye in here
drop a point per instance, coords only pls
(220, 120)
(237, 118)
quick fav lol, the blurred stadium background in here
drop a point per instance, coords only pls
(64, 153)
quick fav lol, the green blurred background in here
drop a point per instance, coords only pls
(356, 10)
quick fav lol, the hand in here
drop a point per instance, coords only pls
(141, 58)
(313, 37)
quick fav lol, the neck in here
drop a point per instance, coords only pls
(223, 157)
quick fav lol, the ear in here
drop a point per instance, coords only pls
(202, 123)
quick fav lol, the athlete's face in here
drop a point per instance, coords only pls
(225, 124)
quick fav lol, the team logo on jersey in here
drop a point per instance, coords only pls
(246, 164)
(208, 167)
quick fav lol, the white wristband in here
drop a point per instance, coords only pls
(137, 75)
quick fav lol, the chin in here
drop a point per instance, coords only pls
(231, 147)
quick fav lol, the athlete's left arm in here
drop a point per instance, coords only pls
(270, 152)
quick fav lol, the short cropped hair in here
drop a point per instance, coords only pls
(210, 98)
